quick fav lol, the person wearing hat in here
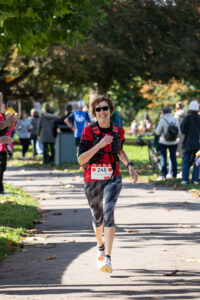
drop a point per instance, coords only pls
(77, 121)
(190, 127)
(164, 144)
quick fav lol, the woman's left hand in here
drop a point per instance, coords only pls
(133, 174)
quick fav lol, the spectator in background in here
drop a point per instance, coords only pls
(146, 117)
(10, 109)
(134, 127)
(142, 127)
(23, 130)
(34, 122)
(60, 122)
(190, 127)
(47, 135)
(77, 121)
(4, 149)
(86, 108)
(180, 114)
(164, 144)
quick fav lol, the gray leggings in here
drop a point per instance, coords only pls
(95, 191)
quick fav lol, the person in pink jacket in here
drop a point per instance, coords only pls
(4, 149)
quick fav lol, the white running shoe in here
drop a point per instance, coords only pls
(195, 182)
(161, 178)
(183, 182)
(169, 176)
(106, 266)
(100, 258)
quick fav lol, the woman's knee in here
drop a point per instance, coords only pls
(109, 220)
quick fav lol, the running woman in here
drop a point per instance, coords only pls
(101, 147)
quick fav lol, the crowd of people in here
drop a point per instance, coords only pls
(184, 144)
(41, 131)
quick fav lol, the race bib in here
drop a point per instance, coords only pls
(101, 171)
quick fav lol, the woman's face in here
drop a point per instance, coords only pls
(103, 112)
(23, 116)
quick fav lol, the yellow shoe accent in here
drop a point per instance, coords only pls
(106, 269)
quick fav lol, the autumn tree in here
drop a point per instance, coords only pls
(30, 27)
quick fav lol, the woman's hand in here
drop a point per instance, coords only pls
(106, 141)
(133, 174)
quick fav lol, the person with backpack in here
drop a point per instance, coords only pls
(167, 130)
(190, 127)
(101, 147)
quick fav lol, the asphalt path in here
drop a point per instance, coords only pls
(155, 254)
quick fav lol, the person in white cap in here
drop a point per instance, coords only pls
(77, 121)
(190, 127)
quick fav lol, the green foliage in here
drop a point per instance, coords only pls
(128, 99)
(128, 44)
(33, 25)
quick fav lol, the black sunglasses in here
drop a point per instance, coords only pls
(98, 109)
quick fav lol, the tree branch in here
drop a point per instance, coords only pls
(21, 77)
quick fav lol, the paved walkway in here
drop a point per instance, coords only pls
(155, 256)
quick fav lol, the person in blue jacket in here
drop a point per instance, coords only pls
(77, 121)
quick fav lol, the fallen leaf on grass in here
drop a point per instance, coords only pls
(172, 273)
(57, 214)
(49, 257)
(35, 231)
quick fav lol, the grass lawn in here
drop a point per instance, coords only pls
(17, 212)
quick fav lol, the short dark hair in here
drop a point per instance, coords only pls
(166, 109)
(69, 107)
(22, 113)
(100, 99)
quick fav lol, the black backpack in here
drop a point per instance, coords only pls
(172, 132)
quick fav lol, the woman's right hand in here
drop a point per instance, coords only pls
(106, 141)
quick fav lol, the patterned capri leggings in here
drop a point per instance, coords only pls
(95, 191)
